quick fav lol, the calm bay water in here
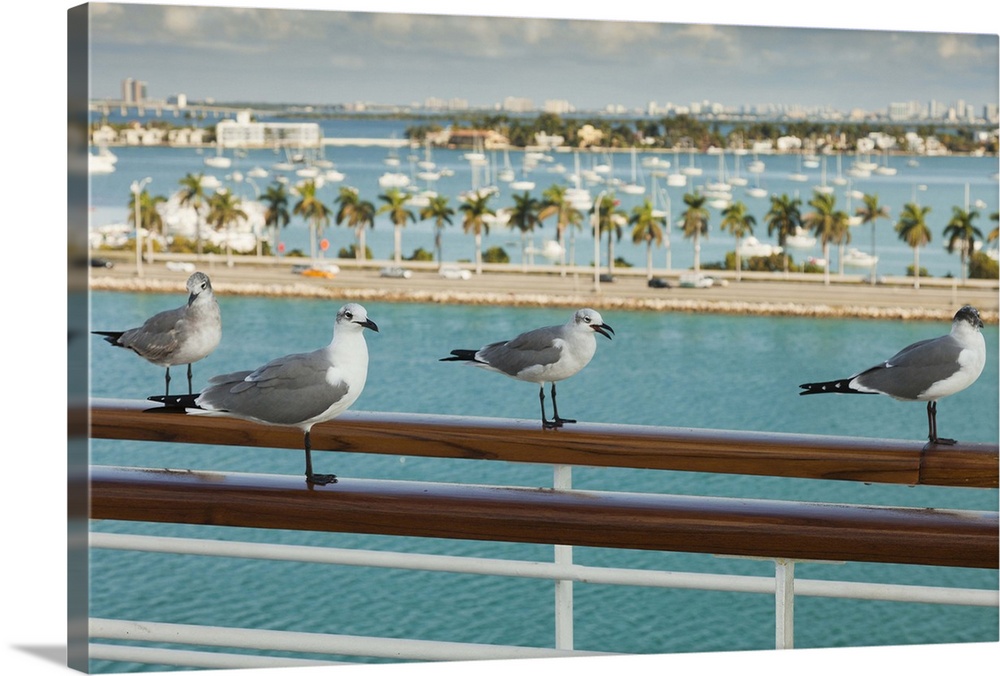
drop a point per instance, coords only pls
(668, 369)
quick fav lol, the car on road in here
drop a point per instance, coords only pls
(658, 283)
(692, 280)
(454, 272)
(322, 271)
(395, 272)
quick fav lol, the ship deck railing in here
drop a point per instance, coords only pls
(783, 532)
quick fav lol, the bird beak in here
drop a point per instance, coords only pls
(369, 324)
(603, 329)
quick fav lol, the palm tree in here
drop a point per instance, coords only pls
(364, 217)
(961, 233)
(647, 227)
(311, 208)
(439, 210)
(524, 218)
(785, 219)
(738, 222)
(358, 214)
(694, 222)
(149, 216)
(555, 203)
(395, 206)
(476, 209)
(912, 228)
(276, 215)
(223, 211)
(870, 212)
(193, 194)
(829, 224)
(610, 219)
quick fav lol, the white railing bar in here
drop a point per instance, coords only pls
(542, 570)
(877, 591)
(196, 658)
(562, 480)
(325, 644)
(784, 604)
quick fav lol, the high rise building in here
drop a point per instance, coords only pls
(133, 91)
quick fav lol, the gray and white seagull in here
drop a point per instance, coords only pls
(182, 335)
(297, 390)
(927, 370)
(545, 355)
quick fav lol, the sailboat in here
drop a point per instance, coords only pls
(524, 183)
(797, 175)
(823, 187)
(884, 169)
(756, 190)
(737, 180)
(691, 169)
(506, 173)
(677, 178)
(634, 188)
(800, 239)
(839, 178)
(218, 161)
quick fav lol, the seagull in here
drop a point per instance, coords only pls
(544, 355)
(927, 370)
(183, 335)
(297, 390)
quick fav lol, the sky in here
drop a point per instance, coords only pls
(292, 52)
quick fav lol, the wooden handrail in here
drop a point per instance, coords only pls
(602, 445)
(733, 526)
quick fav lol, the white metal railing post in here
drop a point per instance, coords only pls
(784, 604)
(562, 480)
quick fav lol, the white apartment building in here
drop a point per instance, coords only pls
(243, 133)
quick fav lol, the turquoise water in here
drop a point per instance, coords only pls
(703, 371)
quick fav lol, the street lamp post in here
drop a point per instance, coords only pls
(596, 217)
(137, 188)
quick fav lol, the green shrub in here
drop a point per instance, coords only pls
(982, 266)
(495, 254)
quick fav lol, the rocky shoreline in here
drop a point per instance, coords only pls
(479, 296)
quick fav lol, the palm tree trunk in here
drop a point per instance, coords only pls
(826, 263)
(697, 251)
(198, 245)
(874, 262)
(916, 267)
(739, 261)
(479, 254)
(397, 244)
(560, 237)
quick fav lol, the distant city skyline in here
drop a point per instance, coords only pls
(308, 56)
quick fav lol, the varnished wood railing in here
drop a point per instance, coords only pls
(973, 465)
(765, 528)
(730, 526)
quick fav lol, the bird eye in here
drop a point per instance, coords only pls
(349, 314)
(586, 318)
